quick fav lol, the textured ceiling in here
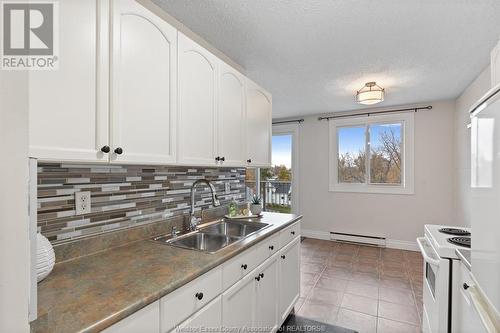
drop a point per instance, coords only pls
(312, 55)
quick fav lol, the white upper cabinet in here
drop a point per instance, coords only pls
(259, 125)
(197, 116)
(144, 81)
(231, 117)
(68, 117)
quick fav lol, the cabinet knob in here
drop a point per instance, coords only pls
(261, 275)
(222, 158)
(466, 286)
(249, 160)
(283, 257)
(217, 158)
(105, 149)
(199, 296)
(271, 247)
(244, 266)
(293, 232)
(119, 151)
(257, 278)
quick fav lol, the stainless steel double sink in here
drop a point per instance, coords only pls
(214, 236)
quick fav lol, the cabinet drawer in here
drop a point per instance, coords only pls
(145, 320)
(238, 267)
(289, 233)
(267, 247)
(183, 302)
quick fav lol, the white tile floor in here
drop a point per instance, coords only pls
(364, 288)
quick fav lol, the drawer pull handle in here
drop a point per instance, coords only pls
(257, 278)
(283, 257)
(199, 296)
(293, 232)
(271, 247)
(261, 275)
(466, 286)
(244, 266)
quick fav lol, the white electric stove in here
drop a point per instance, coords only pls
(440, 264)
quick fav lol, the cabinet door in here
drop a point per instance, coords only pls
(259, 126)
(238, 303)
(143, 99)
(231, 117)
(266, 316)
(146, 320)
(289, 277)
(210, 317)
(197, 104)
(69, 106)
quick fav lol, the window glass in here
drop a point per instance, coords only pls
(351, 154)
(385, 153)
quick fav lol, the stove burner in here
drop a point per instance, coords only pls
(462, 241)
(454, 231)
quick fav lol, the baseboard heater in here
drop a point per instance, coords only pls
(358, 239)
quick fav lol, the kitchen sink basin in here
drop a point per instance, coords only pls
(234, 228)
(214, 236)
(203, 242)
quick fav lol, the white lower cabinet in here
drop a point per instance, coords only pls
(255, 290)
(238, 304)
(146, 320)
(210, 317)
(266, 310)
(289, 288)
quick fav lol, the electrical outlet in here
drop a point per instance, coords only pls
(82, 202)
(227, 187)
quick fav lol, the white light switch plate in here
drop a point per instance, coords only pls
(82, 203)
(227, 187)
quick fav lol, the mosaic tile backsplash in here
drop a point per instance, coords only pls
(124, 196)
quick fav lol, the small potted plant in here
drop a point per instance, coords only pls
(256, 206)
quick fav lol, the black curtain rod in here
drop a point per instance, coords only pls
(376, 112)
(289, 121)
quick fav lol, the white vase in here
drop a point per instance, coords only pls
(255, 209)
(45, 257)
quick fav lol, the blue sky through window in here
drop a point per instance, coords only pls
(352, 139)
(282, 150)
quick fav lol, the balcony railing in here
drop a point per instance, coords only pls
(276, 196)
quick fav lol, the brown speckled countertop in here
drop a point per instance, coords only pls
(91, 293)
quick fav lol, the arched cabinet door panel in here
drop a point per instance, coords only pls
(259, 126)
(198, 70)
(231, 117)
(143, 99)
(68, 107)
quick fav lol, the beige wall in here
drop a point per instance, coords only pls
(14, 259)
(400, 218)
(462, 144)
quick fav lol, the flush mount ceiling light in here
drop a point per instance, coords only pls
(370, 94)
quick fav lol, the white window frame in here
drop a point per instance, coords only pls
(407, 176)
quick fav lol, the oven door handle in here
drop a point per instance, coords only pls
(423, 244)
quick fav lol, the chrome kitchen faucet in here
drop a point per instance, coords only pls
(215, 202)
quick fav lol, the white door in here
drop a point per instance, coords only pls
(289, 276)
(209, 317)
(197, 104)
(238, 303)
(259, 122)
(267, 293)
(69, 106)
(143, 99)
(231, 117)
